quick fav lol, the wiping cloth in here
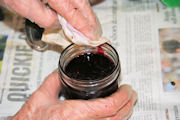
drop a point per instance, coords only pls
(67, 34)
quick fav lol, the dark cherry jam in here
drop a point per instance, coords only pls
(71, 93)
(87, 67)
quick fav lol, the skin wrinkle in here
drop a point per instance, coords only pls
(128, 107)
(125, 96)
(110, 107)
(46, 23)
(61, 6)
(75, 108)
(51, 113)
(38, 113)
(72, 15)
(122, 116)
(47, 20)
(44, 16)
(29, 12)
(73, 20)
(48, 84)
(119, 115)
(26, 115)
(48, 92)
(24, 7)
(2, 2)
(71, 110)
(55, 112)
(15, 5)
(32, 109)
(34, 100)
(129, 115)
(81, 7)
(90, 108)
(91, 20)
(44, 1)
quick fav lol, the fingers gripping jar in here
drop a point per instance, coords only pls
(89, 72)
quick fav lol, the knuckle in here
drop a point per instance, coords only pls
(8, 2)
(135, 95)
(52, 1)
(73, 16)
(47, 23)
(130, 105)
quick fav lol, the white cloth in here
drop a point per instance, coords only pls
(68, 35)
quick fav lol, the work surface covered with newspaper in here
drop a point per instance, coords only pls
(146, 35)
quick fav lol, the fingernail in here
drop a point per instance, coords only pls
(56, 70)
(129, 115)
(50, 18)
(127, 90)
(91, 34)
(126, 87)
(135, 97)
(56, 25)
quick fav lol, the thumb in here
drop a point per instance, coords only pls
(105, 107)
(51, 85)
(102, 107)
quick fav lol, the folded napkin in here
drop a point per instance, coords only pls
(67, 34)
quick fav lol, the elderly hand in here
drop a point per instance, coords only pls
(77, 12)
(45, 105)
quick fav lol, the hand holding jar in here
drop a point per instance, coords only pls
(45, 105)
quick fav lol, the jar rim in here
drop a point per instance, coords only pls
(94, 81)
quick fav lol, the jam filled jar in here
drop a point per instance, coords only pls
(89, 72)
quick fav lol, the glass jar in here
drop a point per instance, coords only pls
(103, 84)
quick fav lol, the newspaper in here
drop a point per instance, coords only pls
(146, 35)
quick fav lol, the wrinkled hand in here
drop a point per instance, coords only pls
(45, 105)
(77, 12)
